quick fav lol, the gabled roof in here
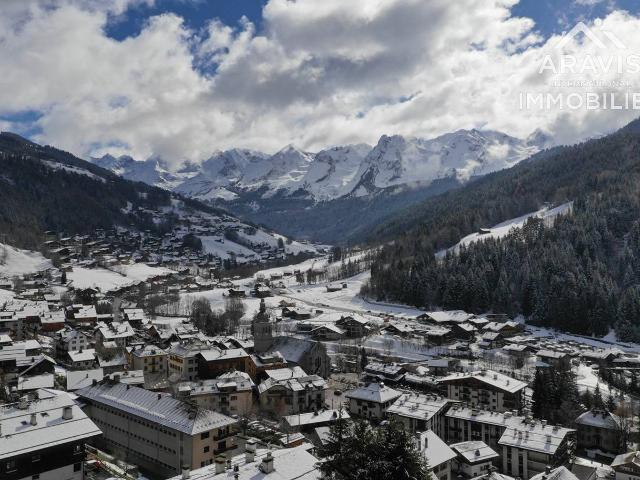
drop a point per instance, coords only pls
(374, 392)
(156, 408)
(495, 379)
(20, 437)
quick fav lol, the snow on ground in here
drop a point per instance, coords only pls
(72, 169)
(271, 239)
(223, 248)
(141, 272)
(503, 229)
(5, 295)
(14, 261)
(99, 278)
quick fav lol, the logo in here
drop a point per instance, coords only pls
(588, 68)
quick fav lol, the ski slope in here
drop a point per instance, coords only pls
(503, 229)
(14, 261)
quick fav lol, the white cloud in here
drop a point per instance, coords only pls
(320, 73)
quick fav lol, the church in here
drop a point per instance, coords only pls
(310, 355)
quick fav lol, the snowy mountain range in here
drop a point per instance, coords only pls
(338, 172)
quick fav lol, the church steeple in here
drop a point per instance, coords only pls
(262, 330)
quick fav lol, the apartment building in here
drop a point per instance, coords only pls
(231, 393)
(150, 359)
(526, 446)
(155, 431)
(486, 389)
(43, 438)
(420, 412)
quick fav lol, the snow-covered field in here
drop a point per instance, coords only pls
(503, 229)
(14, 261)
(141, 272)
(98, 278)
(223, 248)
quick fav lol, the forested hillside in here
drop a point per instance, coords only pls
(581, 274)
(42, 188)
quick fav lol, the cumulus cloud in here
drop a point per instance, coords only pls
(317, 74)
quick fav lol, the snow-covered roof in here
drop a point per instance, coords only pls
(490, 377)
(45, 380)
(453, 316)
(559, 473)
(77, 379)
(418, 405)
(286, 373)
(156, 408)
(600, 419)
(627, 459)
(519, 431)
(434, 449)
(294, 384)
(86, 355)
(374, 392)
(289, 464)
(474, 451)
(19, 436)
(311, 418)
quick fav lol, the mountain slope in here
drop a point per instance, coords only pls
(580, 274)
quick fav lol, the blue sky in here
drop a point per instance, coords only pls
(551, 16)
(324, 72)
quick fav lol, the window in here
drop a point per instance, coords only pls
(205, 449)
(204, 435)
(11, 465)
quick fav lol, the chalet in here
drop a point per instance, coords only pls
(82, 359)
(385, 372)
(519, 350)
(560, 360)
(490, 340)
(371, 400)
(119, 332)
(447, 318)
(492, 390)
(296, 313)
(627, 466)
(599, 433)
(327, 332)
(506, 329)
(354, 327)
(601, 357)
(236, 293)
(293, 395)
(463, 331)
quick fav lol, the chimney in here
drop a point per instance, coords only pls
(220, 464)
(34, 419)
(159, 396)
(250, 451)
(186, 472)
(94, 382)
(267, 463)
(67, 413)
